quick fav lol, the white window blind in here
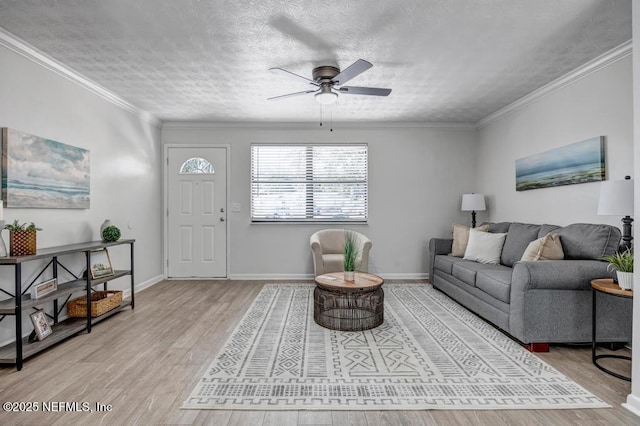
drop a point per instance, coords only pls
(314, 183)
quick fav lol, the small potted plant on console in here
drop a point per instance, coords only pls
(622, 263)
(22, 238)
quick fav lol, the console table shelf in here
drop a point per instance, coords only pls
(21, 348)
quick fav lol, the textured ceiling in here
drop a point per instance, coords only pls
(446, 60)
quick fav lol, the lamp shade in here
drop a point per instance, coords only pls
(616, 198)
(473, 202)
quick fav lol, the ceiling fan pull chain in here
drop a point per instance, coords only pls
(320, 115)
(331, 119)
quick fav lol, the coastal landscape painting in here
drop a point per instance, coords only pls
(571, 164)
(42, 173)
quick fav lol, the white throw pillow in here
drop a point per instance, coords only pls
(484, 247)
(461, 238)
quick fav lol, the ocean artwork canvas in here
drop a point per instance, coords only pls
(42, 173)
(579, 162)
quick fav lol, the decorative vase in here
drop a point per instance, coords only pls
(22, 243)
(3, 246)
(625, 280)
(104, 225)
(349, 275)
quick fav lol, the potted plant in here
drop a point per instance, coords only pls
(622, 263)
(110, 233)
(22, 238)
(350, 255)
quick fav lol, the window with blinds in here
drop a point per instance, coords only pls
(309, 183)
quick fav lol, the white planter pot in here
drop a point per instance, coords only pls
(625, 280)
(349, 275)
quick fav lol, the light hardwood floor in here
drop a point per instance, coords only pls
(146, 362)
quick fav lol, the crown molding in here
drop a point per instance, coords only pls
(602, 61)
(310, 125)
(28, 51)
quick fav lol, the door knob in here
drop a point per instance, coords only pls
(222, 219)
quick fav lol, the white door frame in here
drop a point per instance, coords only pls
(165, 210)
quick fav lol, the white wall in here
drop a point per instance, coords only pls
(125, 168)
(416, 178)
(599, 104)
(633, 399)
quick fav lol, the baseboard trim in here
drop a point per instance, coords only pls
(143, 285)
(267, 277)
(632, 404)
(271, 277)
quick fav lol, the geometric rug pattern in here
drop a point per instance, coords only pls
(430, 353)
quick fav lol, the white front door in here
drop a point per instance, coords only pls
(197, 212)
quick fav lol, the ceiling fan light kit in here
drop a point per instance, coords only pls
(329, 82)
(325, 96)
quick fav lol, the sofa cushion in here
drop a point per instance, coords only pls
(548, 247)
(547, 229)
(500, 227)
(495, 282)
(461, 239)
(484, 247)
(467, 271)
(518, 238)
(443, 263)
(588, 241)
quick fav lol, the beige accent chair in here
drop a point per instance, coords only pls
(327, 248)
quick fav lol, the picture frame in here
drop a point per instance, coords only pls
(579, 162)
(39, 290)
(32, 174)
(40, 324)
(100, 264)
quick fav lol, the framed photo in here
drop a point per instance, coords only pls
(101, 264)
(40, 324)
(44, 288)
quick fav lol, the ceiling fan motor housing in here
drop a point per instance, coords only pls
(324, 74)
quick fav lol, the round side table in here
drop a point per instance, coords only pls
(608, 287)
(348, 305)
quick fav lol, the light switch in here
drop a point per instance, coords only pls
(235, 207)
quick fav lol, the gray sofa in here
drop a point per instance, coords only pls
(538, 302)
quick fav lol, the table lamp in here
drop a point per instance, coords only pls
(473, 203)
(616, 199)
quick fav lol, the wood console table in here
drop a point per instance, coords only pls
(19, 301)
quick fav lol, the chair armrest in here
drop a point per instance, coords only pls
(316, 252)
(363, 254)
(438, 246)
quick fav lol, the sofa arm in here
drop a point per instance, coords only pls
(438, 246)
(557, 275)
(551, 301)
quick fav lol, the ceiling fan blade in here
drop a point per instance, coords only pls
(290, 95)
(373, 91)
(293, 75)
(353, 70)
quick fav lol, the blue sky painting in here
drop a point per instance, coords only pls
(576, 163)
(41, 173)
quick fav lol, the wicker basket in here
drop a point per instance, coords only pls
(101, 303)
(22, 243)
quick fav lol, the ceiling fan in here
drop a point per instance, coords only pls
(328, 81)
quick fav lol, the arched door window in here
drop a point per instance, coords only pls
(196, 165)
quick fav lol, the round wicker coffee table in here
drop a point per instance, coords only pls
(348, 305)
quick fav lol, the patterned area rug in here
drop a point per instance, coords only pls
(430, 353)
